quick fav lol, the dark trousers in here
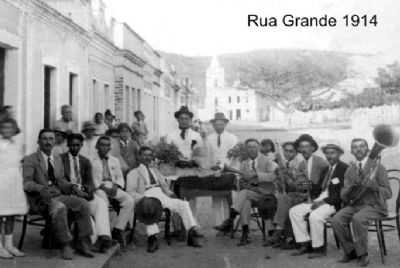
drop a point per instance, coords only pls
(359, 217)
(59, 209)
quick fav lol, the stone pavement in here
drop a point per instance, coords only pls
(39, 258)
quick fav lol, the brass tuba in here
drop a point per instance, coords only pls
(385, 137)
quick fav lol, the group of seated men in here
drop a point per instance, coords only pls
(309, 188)
(310, 191)
(70, 187)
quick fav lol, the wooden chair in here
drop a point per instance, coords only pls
(33, 219)
(385, 224)
(257, 218)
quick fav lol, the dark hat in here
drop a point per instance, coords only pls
(183, 110)
(332, 146)
(124, 125)
(306, 137)
(219, 116)
(148, 210)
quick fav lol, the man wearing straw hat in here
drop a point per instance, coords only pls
(322, 207)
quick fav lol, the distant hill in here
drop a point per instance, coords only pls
(283, 74)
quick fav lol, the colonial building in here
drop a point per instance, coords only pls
(237, 102)
(56, 52)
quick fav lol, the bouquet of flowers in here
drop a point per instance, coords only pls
(238, 152)
(167, 153)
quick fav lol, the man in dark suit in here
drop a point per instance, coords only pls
(78, 170)
(49, 193)
(321, 208)
(370, 206)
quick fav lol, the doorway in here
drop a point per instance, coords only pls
(2, 74)
(49, 73)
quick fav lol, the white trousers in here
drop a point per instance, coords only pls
(99, 211)
(182, 208)
(317, 219)
(126, 211)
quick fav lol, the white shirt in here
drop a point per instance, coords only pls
(185, 146)
(309, 166)
(219, 153)
(362, 162)
(74, 177)
(88, 149)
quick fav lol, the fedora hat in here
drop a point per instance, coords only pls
(184, 110)
(219, 116)
(148, 210)
(332, 146)
(308, 138)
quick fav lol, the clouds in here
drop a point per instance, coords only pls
(208, 27)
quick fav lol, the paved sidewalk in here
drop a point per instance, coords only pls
(39, 258)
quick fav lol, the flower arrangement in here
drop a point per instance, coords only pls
(167, 153)
(238, 152)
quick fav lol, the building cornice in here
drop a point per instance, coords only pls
(134, 58)
(130, 70)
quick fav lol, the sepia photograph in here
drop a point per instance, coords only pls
(187, 133)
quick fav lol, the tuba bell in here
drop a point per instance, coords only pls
(385, 136)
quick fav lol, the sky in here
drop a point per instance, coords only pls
(210, 27)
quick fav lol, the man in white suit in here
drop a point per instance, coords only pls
(146, 180)
(218, 144)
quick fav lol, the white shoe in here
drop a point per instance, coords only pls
(9, 246)
(4, 254)
(15, 252)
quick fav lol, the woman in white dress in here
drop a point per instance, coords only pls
(12, 197)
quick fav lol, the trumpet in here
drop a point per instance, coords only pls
(385, 137)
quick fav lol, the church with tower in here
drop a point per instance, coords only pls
(239, 103)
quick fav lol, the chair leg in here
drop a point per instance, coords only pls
(383, 238)
(167, 226)
(263, 229)
(132, 235)
(379, 234)
(23, 232)
(398, 225)
(325, 238)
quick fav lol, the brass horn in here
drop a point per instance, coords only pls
(385, 136)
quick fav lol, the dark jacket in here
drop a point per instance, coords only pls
(318, 171)
(334, 189)
(85, 168)
(35, 177)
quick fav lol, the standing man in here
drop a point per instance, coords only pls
(218, 144)
(107, 175)
(370, 206)
(257, 168)
(185, 138)
(66, 123)
(90, 139)
(78, 171)
(323, 207)
(148, 181)
(49, 193)
(140, 129)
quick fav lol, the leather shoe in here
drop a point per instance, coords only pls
(119, 236)
(193, 239)
(225, 227)
(244, 240)
(348, 257)
(363, 261)
(304, 249)
(317, 253)
(66, 252)
(152, 244)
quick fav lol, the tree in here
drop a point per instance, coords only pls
(389, 78)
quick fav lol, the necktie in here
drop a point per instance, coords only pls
(151, 176)
(50, 172)
(219, 140)
(360, 169)
(183, 133)
(328, 178)
(106, 170)
(253, 165)
(287, 164)
(76, 171)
